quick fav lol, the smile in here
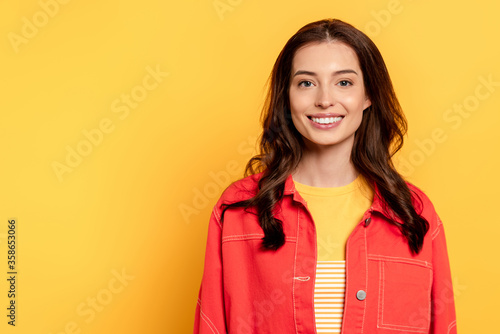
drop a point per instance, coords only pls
(325, 120)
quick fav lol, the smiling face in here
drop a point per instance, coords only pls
(327, 94)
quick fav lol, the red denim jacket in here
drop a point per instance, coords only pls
(388, 290)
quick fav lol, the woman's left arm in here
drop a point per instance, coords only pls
(443, 317)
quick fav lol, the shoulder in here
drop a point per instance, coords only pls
(419, 196)
(240, 190)
(423, 204)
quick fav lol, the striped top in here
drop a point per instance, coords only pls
(329, 293)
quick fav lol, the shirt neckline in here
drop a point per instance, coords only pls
(328, 191)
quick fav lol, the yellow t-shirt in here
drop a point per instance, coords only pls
(335, 211)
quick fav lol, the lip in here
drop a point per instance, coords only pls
(320, 115)
(325, 126)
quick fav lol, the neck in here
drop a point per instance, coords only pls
(325, 166)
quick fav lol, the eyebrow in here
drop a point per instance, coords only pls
(334, 73)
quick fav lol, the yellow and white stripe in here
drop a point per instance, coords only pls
(329, 290)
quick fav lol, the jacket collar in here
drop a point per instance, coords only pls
(378, 204)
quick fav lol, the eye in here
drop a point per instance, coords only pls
(308, 83)
(344, 83)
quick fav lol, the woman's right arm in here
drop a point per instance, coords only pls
(210, 314)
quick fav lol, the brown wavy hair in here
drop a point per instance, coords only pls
(378, 138)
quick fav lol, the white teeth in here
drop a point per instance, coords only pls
(326, 120)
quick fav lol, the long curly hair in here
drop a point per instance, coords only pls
(378, 138)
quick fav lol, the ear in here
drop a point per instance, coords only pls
(367, 103)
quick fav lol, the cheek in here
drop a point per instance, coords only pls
(299, 104)
(354, 103)
(351, 100)
(295, 106)
(296, 113)
(295, 118)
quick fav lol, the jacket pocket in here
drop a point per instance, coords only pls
(404, 298)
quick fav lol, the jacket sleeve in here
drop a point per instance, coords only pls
(210, 313)
(443, 318)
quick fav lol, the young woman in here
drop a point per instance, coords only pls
(323, 235)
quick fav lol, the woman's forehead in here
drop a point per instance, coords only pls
(321, 56)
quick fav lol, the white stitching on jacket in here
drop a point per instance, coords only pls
(451, 325)
(380, 315)
(294, 271)
(400, 259)
(303, 278)
(437, 230)
(205, 318)
(217, 217)
(366, 282)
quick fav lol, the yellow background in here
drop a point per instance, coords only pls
(119, 210)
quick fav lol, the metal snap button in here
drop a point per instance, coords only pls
(361, 295)
(368, 221)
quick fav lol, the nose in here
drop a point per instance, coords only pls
(324, 98)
